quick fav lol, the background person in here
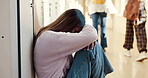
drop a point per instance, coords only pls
(97, 10)
(136, 18)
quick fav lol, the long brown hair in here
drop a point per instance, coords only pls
(65, 22)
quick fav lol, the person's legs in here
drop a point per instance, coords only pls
(100, 18)
(103, 16)
(95, 17)
(90, 64)
(129, 37)
(141, 41)
(141, 37)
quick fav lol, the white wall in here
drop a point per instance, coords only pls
(38, 15)
(52, 10)
(119, 22)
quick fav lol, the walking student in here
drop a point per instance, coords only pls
(136, 15)
(97, 11)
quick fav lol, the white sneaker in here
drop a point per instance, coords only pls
(127, 53)
(142, 56)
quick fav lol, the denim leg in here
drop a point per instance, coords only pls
(95, 21)
(81, 66)
(100, 18)
(90, 64)
(103, 29)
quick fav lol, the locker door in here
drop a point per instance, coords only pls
(8, 39)
(25, 39)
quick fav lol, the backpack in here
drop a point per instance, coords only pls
(131, 11)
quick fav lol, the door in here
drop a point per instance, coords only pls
(8, 39)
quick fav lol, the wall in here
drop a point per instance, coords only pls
(54, 8)
(38, 15)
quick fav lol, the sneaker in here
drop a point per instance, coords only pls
(127, 53)
(142, 56)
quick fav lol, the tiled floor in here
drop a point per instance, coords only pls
(124, 67)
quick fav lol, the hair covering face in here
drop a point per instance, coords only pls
(81, 17)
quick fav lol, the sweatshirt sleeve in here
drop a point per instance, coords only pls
(72, 42)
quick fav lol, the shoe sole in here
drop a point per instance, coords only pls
(141, 60)
(127, 55)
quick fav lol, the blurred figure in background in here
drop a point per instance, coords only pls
(97, 10)
(135, 13)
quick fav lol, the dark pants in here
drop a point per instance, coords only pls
(140, 36)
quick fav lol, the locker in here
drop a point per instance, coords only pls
(8, 39)
(16, 38)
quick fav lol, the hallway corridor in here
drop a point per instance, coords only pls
(124, 67)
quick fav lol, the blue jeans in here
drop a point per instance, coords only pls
(90, 64)
(100, 18)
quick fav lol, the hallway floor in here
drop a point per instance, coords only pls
(124, 67)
